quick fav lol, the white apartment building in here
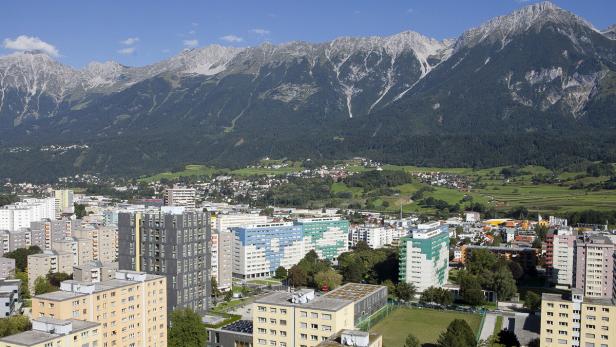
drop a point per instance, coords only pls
(563, 258)
(377, 236)
(424, 256)
(224, 222)
(21, 214)
(184, 197)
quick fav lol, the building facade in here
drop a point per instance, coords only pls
(327, 236)
(593, 270)
(51, 332)
(174, 244)
(560, 257)
(258, 250)
(20, 214)
(183, 197)
(39, 265)
(424, 256)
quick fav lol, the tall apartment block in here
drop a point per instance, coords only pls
(173, 243)
(258, 250)
(560, 255)
(64, 201)
(576, 320)
(222, 259)
(299, 319)
(39, 265)
(184, 197)
(104, 242)
(593, 270)
(326, 236)
(225, 222)
(131, 309)
(7, 267)
(424, 256)
(80, 248)
(20, 214)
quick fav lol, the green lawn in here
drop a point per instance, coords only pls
(425, 324)
(189, 171)
(498, 326)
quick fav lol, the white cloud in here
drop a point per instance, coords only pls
(191, 43)
(260, 31)
(130, 41)
(232, 38)
(127, 50)
(30, 43)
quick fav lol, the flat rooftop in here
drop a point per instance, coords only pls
(36, 337)
(354, 291)
(62, 295)
(587, 300)
(318, 303)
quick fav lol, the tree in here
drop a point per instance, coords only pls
(56, 278)
(14, 325)
(80, 211)
(436, 295)
(21, 256)
(532, 301)
(42, 286)
(228, 295)
(281, 273)
(504, 284)
(457, 334)
(186, 329)
(329, 278)
(361, 246)
(24, 291)
(297, 276)
(354, 272)
(508, 338)
(516, 270)
(405, 291)
(391, 287)
(470, 289)
(214, 287)
(411, 341)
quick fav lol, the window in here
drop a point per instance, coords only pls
(283, 333)
(326, 327)
(262, 320)
(327, 316)
(283, 322)
(314, 315)
(262, 341)
(261, 308)
(303, 314)
(314, 326)
(303, 325)
(303, 336)
(314, 338)
(283, 311)
(272, 309)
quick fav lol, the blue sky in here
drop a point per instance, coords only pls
(139, 32)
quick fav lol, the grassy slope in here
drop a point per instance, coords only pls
(425, 324)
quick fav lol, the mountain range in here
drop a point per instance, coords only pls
(537, 86)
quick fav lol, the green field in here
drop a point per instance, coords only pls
(425, 324)
(189, 171)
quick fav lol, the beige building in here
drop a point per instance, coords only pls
(104, 242)
(575, 320)
(132, 308)
(48, 262)
(50, 332)
(299, 319)
(80, 248)
(95, 271)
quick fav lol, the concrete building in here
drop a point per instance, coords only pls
(367, 298)
(131, 309)
(39, 265)
(12, 240)
(64, 202)
(472, 217)
(20, 214)
(7, 267)
(104, 242)
(225, 222)
(327, 236)
(356, 338)
(377, 236)
(560, 257)
(222, 259)
(299, 319)
(80, 248)
(173, 243)
(576, 320)
(236, 334)
(51, 332)
(10, 297)
(424, 256)
(593, 270)
(95, 271)
(258, 250)
(184, 197)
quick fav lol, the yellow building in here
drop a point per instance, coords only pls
(132, 308)
(50, 332)
(299, 319)
(573, 320)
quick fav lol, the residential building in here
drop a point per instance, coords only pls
(299, 319)
(222, 258)
(327, 236)
(593, 270)
(173, 243)
(104, 242)
(472, 217)
(424, 256)
(377, 236)
(39, 265)
(258, 250)
(80, 248)
(225, 222)
(367, 298)
(576, 320)
(131, 309)
(51, 332)
(7, 267)
(64, 202)
(11, 240)
(237, 334)
(20, 214)
(95, 271)
(184, 197)
(560, 257)
(10, 297)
